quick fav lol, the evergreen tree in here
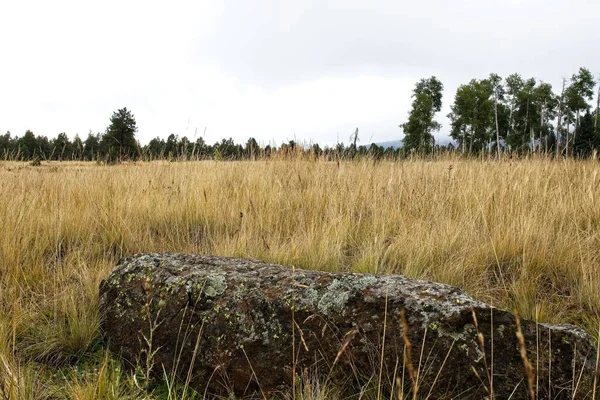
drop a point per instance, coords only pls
(597, 123)
(119, 139)
(418, 130)
(62, 148)
(77, 148)
(315, 150)
(200, 149)
(156, 148)
(579, 93)
(376, 151)
(28, 147)
(5, 146)
(585, 140)
(184, 147)
(44, 147)
(91, 146)
(171, 146)
(252, 148)
(228, 150)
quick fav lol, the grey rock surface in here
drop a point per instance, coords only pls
(246, 326)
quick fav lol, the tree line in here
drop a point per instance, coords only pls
(100, 147)
(514, 115)
(493, 115)
(118, 143)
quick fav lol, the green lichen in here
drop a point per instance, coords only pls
(339, 291)
(333, 301)
(215, 285)
(311, 295)
(365, 282)
(301, 300)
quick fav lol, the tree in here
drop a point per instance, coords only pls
(91, 146)
(585, 140)
(578, 94)
(498, 93)
(354, 139)
(44, 147)
(597, 109)
(28, 147)
(418, 130)
(228, 150)
(156, 148)
(184, 147)
(62, 148)
(315, 150)
(544, 109)
(339, 149)
(199, 148)
(523, 136)
(472, 115)
(171, 146)
(252, 148)
(376, 151)
(5, 146)
(531, 108)
(559, 130)
(77, 148)
(119, 139)
(514, 86)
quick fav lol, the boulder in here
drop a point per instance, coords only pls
(251, 328)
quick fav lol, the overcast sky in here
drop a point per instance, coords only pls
(276, 70)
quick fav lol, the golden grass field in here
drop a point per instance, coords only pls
(522, 234)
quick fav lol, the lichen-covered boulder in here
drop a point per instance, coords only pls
(227, 324)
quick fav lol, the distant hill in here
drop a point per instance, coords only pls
(397, 144)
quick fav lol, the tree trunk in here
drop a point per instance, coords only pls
(497, 128)
(567, 138)
(559, 120)
(526, 121)
(471, 142)
(542, 125)
(576, 127)
(532, 137)
(597, 107)
(510, 121)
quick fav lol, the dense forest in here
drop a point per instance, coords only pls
(514, 115)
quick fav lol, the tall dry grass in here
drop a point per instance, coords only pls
(524, 235)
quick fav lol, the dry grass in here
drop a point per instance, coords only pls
(521, 234)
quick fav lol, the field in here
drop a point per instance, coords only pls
(523, 235)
